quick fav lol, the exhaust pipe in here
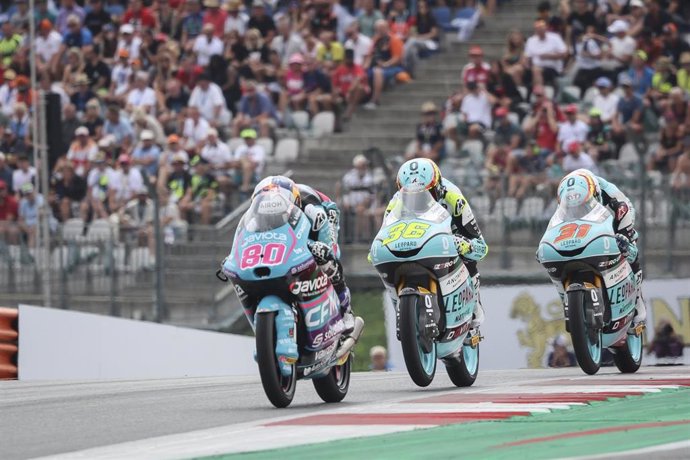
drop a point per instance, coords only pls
(350, 342)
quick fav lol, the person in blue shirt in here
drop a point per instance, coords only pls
(147, 154)
(118, 126)
(640, 73)
(76, 36)
(255, 111)
(29, 206)
(628, 112)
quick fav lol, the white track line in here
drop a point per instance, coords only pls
(641, 451)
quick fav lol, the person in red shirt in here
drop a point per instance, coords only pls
(139, 16)
(189, 72)
(476, 70)
(8, 215)
(350, 83)
(215, 16)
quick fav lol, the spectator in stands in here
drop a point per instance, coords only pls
(666, 343)
(542, 124)
(136, 216)
(670, 146)
(379, 359)
(358, 42)
(127, 181)
(18, 131)
(578, 20)
(287, 41)
(546, 52)
(561, 356)
(29, 207)
(476, 70)
(120, 76)
(70, 190)
(140, 95)
(476, 110)
(663, 80)
(9, 210)
(174, 149)
(97, 17)
(384, 62)
(5, 173)
(24, 174)
(329, 51)
(640, 74)
(201, 195)
(356, 194)
(81, 151)
(293, 95)
(207, 44)
(429, 139)
(261, 21)
(10, 42)
(256, 110)
(100, 194)
(674, 45)
(501, 158)
(218, 155)
(368, 17)
(575, 158)
(118, 126)
(606, 101)
(350, 84)
(514, 61)
(629, 112)
(192, 22)
(93, 120)
(176, 98)
(678, 105)
(178, 180)
(249, 161)
(680, 180)
(48, 44)
(146, 154)
(683, 75)
(208, 98)
(317, 87)
(599, 143)
(143, 121)
(139, 16)
(588, 60)
(195, 130)
(572, 128)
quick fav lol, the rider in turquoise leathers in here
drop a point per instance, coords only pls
(623, 212)
(325, 219)
(423, 173)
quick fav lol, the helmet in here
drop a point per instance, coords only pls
(578, 187)
(278, 182)
(420, 173)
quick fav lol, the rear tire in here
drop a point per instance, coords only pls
(628, 357)
(421, 366)
(588, 352)
(279, 390)
(333, 387)
(463, 370)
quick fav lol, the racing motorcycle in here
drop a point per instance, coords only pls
(597, 285)
(434, 296)
(289, 302)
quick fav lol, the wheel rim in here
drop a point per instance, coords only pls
(470, 357)
(341, 375)
(635, 346)
(594, 347)
(287, 383)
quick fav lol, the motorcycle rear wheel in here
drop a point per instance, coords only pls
(464, 369)
(628, 357)
(587, 351)
(279, 389)
(420, 365)
(333, 387)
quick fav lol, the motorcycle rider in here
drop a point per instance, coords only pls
(623, 212)
(469, 242)
(324, 216)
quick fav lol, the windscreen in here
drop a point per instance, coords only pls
(590, 210)
(269, 210)
(416, 205)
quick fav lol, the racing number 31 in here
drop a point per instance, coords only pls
(571, 230)
(410, 231)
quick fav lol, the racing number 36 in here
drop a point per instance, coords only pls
(572, 230)
(410, 231)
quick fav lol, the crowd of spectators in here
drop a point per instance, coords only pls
(168, 99)
(593, 76)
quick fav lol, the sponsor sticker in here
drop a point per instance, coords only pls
(616, 275)
(310, 287)
(453, 281)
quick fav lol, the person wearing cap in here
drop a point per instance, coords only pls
(628, 113)
(293, 95)
(141, 95)
(129, 42)
(547, 52)
(81, 151)
(236, 20)
(621, 46)
(429, 136)
(209, 99)
(674, 45)
(174, 150)
(70, 190)
(575, 158)
(100, 194)
(146, 154)
(201, 194)
(639, 73)
(136, 218)
(177, 178)
(476, 69)
(255, 110)
(571, 129)
(29, 207)
(258, 19)
(207, 45)
(9, 210)
(121, 74)
(47, 44)
(560, 356)
(356, 194)
(606, 101)
(127, 180)
(599, 143)
(119, 126)
(139, 15)
(683, 74)
(384, 62)
(249, 160)
(350, 83)
(218, 155)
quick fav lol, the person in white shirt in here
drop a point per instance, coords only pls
(8, 93)
(287, 42)
(588, 60)
(357, 199)
(357, 42)
(622, 46)
(217, 153)
(126, 182)
(547, 52)
(577, 159)
(141, 96)
(48, 43)
(120, 75)
(476, 109)
(236, 20)
(128, 41)
(606, 101)
(195, 129)
(206, 45)
(572, 128)
(24, 174)
(250, 159)
(208, 98)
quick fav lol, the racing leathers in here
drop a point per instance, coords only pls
(468, 238)
(324, 216)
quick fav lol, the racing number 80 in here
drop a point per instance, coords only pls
(409, 231)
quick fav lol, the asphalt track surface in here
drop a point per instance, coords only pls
(47, 418)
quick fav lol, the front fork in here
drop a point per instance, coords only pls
(286, 349)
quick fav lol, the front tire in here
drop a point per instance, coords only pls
(463, 370)
(420, 365)
(333, 387)
(586, 343)
(628, 357)
(279, 389)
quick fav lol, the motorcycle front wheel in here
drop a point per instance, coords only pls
(278, 388)
(587, 343)
(420, 365)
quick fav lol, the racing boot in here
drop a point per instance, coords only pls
(478, 313)
(346, 310)
(641, 307)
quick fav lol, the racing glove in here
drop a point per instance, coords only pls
(321, 251)
(462, 244)
(627, 249)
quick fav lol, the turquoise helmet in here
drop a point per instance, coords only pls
(420, 173)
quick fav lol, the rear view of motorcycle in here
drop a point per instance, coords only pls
(289, 302)
(417, 261)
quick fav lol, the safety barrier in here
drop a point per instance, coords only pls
(9, 335)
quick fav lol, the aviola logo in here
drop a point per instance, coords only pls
(310, 287)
